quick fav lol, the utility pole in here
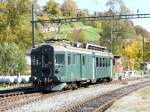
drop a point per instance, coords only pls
(143, 47)
(33, 26)
(143, 53)
(111, 39)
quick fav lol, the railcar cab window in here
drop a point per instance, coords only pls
(45, 60)
(59, 58)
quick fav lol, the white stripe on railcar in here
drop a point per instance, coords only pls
(80, 50)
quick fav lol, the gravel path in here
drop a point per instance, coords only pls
(54, 103)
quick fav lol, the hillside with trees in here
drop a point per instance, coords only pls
(15, 31)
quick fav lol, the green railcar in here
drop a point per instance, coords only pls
(58, 65)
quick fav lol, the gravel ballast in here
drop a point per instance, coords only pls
(54, 103)
(138, 101)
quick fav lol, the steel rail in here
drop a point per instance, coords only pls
(102, 102)
(10, 100)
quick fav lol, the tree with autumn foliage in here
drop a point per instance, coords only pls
(69, 8)
(78, 35)
(132, 54)
(15, 33)
(52, 8)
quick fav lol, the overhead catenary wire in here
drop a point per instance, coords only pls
(96, 18)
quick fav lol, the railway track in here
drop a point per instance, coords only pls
(11, 100)
(102, 102)
(18, 97)
(11, 92)
(15, 97)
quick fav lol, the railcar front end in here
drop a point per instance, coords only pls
(43, 68)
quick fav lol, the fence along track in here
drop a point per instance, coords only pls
(104, 101)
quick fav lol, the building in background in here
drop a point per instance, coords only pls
(118, 68)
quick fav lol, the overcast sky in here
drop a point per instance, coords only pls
(99, 5)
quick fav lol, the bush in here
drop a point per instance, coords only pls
(12, 59)
(78, 35)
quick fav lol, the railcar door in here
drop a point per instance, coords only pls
(93, 79)
(83, 67)
(93, 67)
(78, 66)
(73, 69)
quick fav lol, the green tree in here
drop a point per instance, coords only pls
(132, 53)
(69, 8)
(52, 8)
(11, 58)
(3, 22)
(16, 9)
(78, 35)
(15, 25)
(147, 51)
(121, 29)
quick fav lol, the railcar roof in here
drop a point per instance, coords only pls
(68, 48)
(80, 50)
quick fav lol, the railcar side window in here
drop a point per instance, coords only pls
(106, 62)
(109, 62)
(100, 62)
(114, 61)
(83, 60)
(73, 59)
(69, 59)
(96, 61)
(103, 62)
(60, 58)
